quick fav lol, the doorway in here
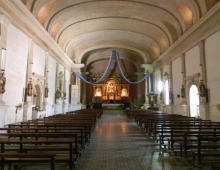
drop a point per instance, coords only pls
(194, 101)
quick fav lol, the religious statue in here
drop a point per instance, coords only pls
(170, 94)
(46, 91)
(202, 89)
(58, 93)
(111, 88)
(98, 92)
(124, 92)
(30, 87)
(183, 92)
(2, 84)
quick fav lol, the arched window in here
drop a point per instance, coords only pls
(166, 91)
(194, 100)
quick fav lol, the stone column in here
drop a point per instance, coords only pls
(202, 67)
(46, 77)
(28, 104)
(139, 77)
(204, 108)
(76, 68)
(29, 69)
(183, 89)
(64, 92)
(171, 84)
(171, 96)
(148, 68)
(84, 74)
(56, 86)
(4, 22)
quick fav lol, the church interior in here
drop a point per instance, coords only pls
(123, 57)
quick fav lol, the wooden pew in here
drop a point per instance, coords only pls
(154, 125)
(87, 125)
(46, 129)
(140, 119)
(87, 132)
(178, 135)
(192, 143)
(200, 152)
(159, 126)
(97, 112)
(170, 131)
(79, 118)
(13, 158)
(131, 113)
(36, 138)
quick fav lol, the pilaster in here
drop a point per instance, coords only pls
(203, 68)
(4, 22)
(139, 77)
(148, 68)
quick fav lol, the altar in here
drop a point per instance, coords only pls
(111, 90)
(112, 106)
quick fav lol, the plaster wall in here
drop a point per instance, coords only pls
(38, 60)
(177, 84)
(212, 57)
(192, 58)
(67, 83)
(15, 73)
(51, 84)
(166, 70)
(167, 108)
(59, 102)
(157, 79)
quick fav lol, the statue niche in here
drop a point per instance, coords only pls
(111, 88)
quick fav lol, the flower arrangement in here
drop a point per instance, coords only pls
(37, 108)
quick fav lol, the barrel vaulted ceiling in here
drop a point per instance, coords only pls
(139, 30)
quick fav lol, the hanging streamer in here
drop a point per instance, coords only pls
(103, 76)
(114, 55)
(147, 75)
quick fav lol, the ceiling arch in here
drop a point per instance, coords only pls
(140, 30)
(116, 37)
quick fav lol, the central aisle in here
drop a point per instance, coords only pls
(119, 144)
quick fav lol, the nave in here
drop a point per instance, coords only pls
(119, 144)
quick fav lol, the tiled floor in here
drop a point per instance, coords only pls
(119, 144)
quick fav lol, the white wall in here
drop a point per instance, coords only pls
(177, 84)
(59, 102)
(15, 73)
(67, 78)
(192, 58)
(166, 70)
(212, 53)
(157, 78)
(51, 85)
(38, 60)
